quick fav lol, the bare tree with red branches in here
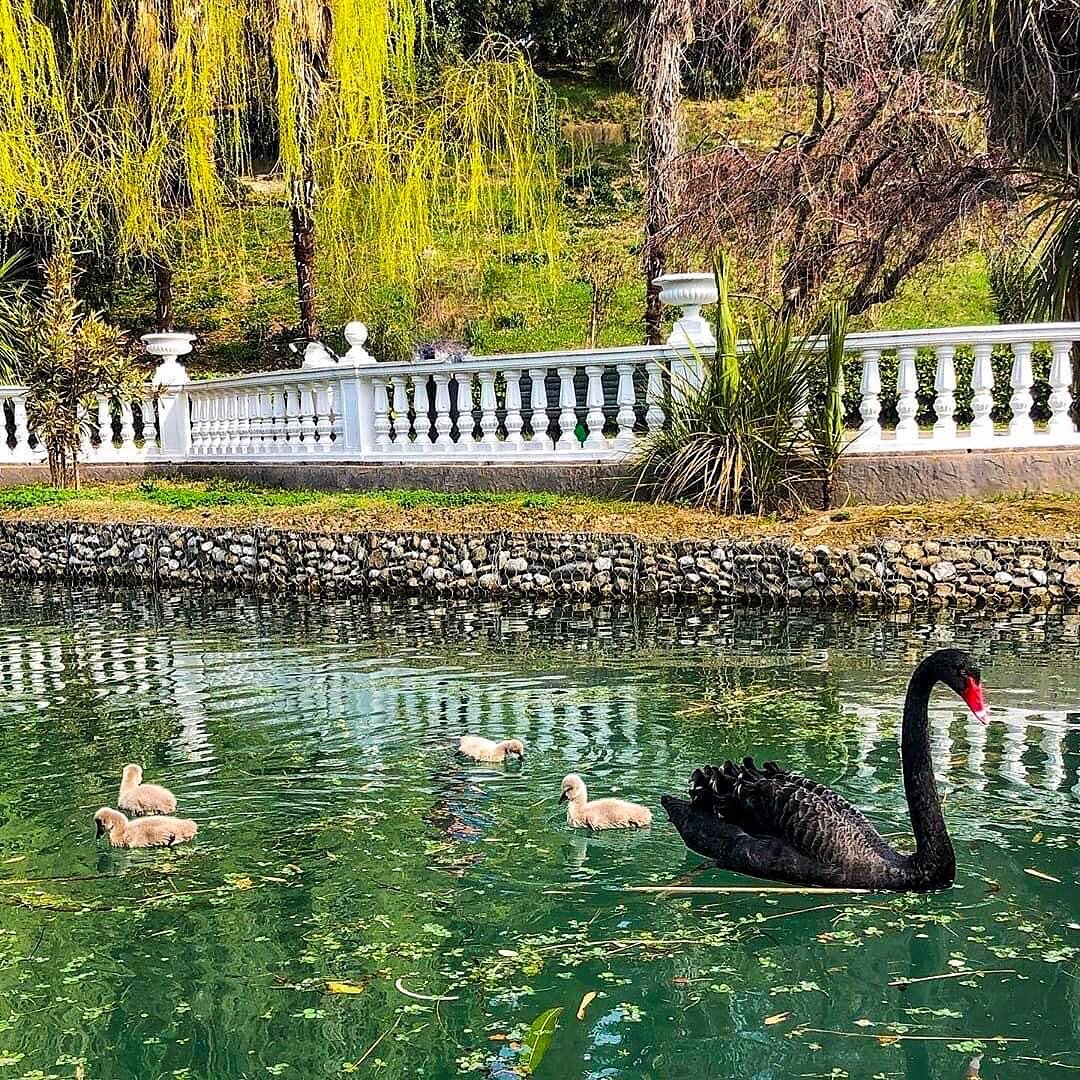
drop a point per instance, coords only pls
(888, 160)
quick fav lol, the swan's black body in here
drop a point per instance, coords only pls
(771, 823)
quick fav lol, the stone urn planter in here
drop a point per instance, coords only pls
(170, 347)
(690, 292)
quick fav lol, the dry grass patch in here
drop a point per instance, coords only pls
(223, 504)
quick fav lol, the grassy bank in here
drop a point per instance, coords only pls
(226, 504)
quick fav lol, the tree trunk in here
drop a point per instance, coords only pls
(303, 236)
(163, 277)
(660, 33)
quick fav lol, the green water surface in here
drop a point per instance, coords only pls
(341, 841)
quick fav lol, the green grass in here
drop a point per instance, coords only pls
(28, 496)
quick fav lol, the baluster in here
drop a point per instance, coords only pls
(22, 429)
(907, 385)
(381, 423)
(489, 422)
(982, 400)
(568, 410)
(1021, 426)
(293, 427)
(232, 423)
(538, 403)
(945, 395)
(514, 420)
(654, 396)
(1061, 425)
(870, 405)
(329, 426)
(243, 425)
(254, 428)
(422, 409)
(307, 399)
(279, 414)
(104, 421)
(402, 427)
(215, 412)
(443, 422)
(149, 424)
(625, 398)
(127, 428)
(466, 424)
(594, 402)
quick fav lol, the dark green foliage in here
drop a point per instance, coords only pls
(557, 33)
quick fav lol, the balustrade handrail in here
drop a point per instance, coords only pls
(860, 341)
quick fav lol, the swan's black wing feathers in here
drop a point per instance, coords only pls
(770, 802)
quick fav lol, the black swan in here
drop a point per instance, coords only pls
(775, 824)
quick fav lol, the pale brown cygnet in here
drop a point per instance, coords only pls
(600, 813)
(138, 798)
(486, 750)
(143, 832)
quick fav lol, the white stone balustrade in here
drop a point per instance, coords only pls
(587, 406)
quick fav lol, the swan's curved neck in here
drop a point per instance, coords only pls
(933, 848)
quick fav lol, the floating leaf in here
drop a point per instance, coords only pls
(776, 1018)
(586, 1001)
(333, 986)
(887, 1040)
(864, 1023)
(538, 1038)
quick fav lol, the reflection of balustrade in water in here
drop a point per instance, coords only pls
(1009, 737)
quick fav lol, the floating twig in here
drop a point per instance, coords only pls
(910, 1038)
(400, 987)
(902, 983)
(1041, 876)
(389, 1031)
(775, 889)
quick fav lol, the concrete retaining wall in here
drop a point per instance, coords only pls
(1007, 574)
(863, 478)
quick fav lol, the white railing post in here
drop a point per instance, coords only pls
(1061, 425)
(514, 420)
(907, 405)
(105, 427)
(654, 396)
(625, 398)
(444, 423)
(982, 399)
(489, 422)
(538, 403)
(170, 378)
(945, 395)
(568, 410)
(381, 422)
(594, 403)
(1021, 425)
(870, 405)
(354, 396)
(402, 442)
(22, 428)
(149, 425)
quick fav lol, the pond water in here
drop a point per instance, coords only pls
(341, 842)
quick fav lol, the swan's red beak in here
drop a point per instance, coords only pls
(976, 700)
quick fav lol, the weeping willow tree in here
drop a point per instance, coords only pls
(381, 168)
(130, 120)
